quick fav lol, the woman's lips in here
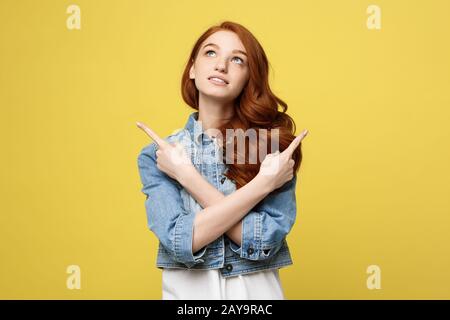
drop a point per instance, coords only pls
(217, 82)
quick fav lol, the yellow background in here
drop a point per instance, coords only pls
(375, 179)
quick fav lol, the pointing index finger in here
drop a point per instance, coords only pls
(152, 134)
(294, 144)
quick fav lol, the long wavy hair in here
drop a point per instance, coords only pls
(256, 107)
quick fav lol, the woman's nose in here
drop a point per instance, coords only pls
(221, 66)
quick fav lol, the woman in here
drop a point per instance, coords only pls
(222, 226)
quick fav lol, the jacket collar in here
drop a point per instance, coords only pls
(195, 128)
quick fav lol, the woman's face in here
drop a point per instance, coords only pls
(221, 55)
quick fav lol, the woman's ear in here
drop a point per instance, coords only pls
(192, 72)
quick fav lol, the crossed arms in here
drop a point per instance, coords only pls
(253, 217)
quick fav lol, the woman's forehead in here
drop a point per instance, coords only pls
(225, 39)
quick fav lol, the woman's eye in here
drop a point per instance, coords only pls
(207, 53)
(242, 61)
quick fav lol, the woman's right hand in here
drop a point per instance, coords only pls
(171, 158)
(277, 168)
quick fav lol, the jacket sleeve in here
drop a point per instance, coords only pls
(266, 226)
(167, 217)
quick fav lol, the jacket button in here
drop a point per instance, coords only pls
(250, 250)
(229, 267)
(222, 180)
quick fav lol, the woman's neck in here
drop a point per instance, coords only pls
(213, 113)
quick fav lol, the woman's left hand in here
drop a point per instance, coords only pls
(171, 158)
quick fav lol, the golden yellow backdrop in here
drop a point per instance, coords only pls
(375, 178)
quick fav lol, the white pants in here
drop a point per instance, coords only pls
(191, 284)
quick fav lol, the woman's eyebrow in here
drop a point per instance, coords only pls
(234, 51)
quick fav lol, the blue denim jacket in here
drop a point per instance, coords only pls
(171, 211)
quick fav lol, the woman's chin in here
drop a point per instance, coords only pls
(216, 94)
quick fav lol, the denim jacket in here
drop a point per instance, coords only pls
(171, 211)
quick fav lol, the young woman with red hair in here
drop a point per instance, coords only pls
(222, 226)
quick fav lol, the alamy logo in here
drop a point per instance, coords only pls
(74, 279)
(74, 20)
(374, 279)
(374, 19)
(236, 145)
